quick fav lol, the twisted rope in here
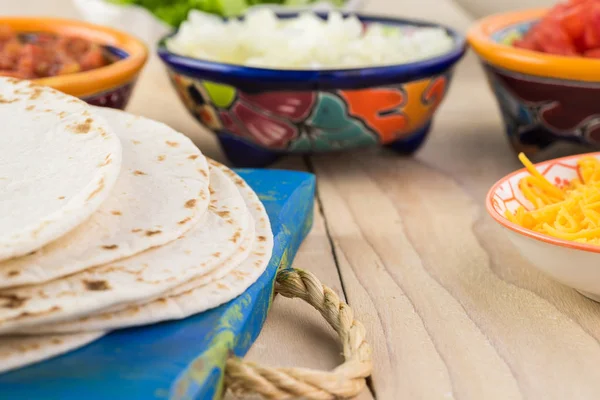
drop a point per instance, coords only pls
(345, 381)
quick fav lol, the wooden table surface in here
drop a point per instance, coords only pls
(452, 311)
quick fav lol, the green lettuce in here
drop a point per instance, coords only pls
(174, 12)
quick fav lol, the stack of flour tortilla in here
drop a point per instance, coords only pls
(110, 220)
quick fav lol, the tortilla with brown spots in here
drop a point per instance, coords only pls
(144, 210)
(53, 170)
(20, 351)
(139, 278)
(224, 283)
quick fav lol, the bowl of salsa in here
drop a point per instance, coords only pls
(543, 66)
(95, 63)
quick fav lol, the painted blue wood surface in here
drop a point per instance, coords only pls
(179, 359)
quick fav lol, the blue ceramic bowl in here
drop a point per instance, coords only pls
(260, 114)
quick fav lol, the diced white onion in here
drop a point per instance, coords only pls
(304, 42)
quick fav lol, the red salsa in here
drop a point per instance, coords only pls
(571, 28)
(41, 55)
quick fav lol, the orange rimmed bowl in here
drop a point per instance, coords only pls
(108, 86)
(574, 264)
(544, 99)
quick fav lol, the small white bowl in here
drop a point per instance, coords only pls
(574, 264)
(141, 23)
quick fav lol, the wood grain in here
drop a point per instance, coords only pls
(451, 301)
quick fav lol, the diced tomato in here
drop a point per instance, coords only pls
(572, 21)
(576, 2)
(557, 11)
(74, 46)
(569, 29)
(93, 58)
(591, 38)
(10, 54)
(527, 43)
(61, 61)
(523, 44)
(594, 53)
(26, 63)
(34, 60)
(41, 55)
(592, 30)
(44, 39)
(551, 38)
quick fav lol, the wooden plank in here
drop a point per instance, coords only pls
(399, 301)
(469, 318)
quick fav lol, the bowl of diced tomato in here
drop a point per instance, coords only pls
(95, 63)
(543, 66)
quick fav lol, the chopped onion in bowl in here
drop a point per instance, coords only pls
(304, 42)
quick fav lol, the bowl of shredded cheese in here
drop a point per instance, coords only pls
(274, 83)
(551, 212)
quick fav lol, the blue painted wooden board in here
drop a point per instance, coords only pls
(179, 359)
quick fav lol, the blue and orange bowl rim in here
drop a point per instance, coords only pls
(527, 62)
(131, 51)
(243, 76)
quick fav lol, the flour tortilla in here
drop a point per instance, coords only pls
(161, 192)
(198, 294)
(142, 277)
(59, 163)
(20, 351)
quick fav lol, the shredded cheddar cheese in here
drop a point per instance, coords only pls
(570, 213)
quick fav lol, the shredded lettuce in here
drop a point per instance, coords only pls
(174, 12)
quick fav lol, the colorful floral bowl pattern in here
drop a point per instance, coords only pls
(313, 121)
(108, 86)
(571, 263)
(544, 99)
(260, 114)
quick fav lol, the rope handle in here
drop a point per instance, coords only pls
(345, 381)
